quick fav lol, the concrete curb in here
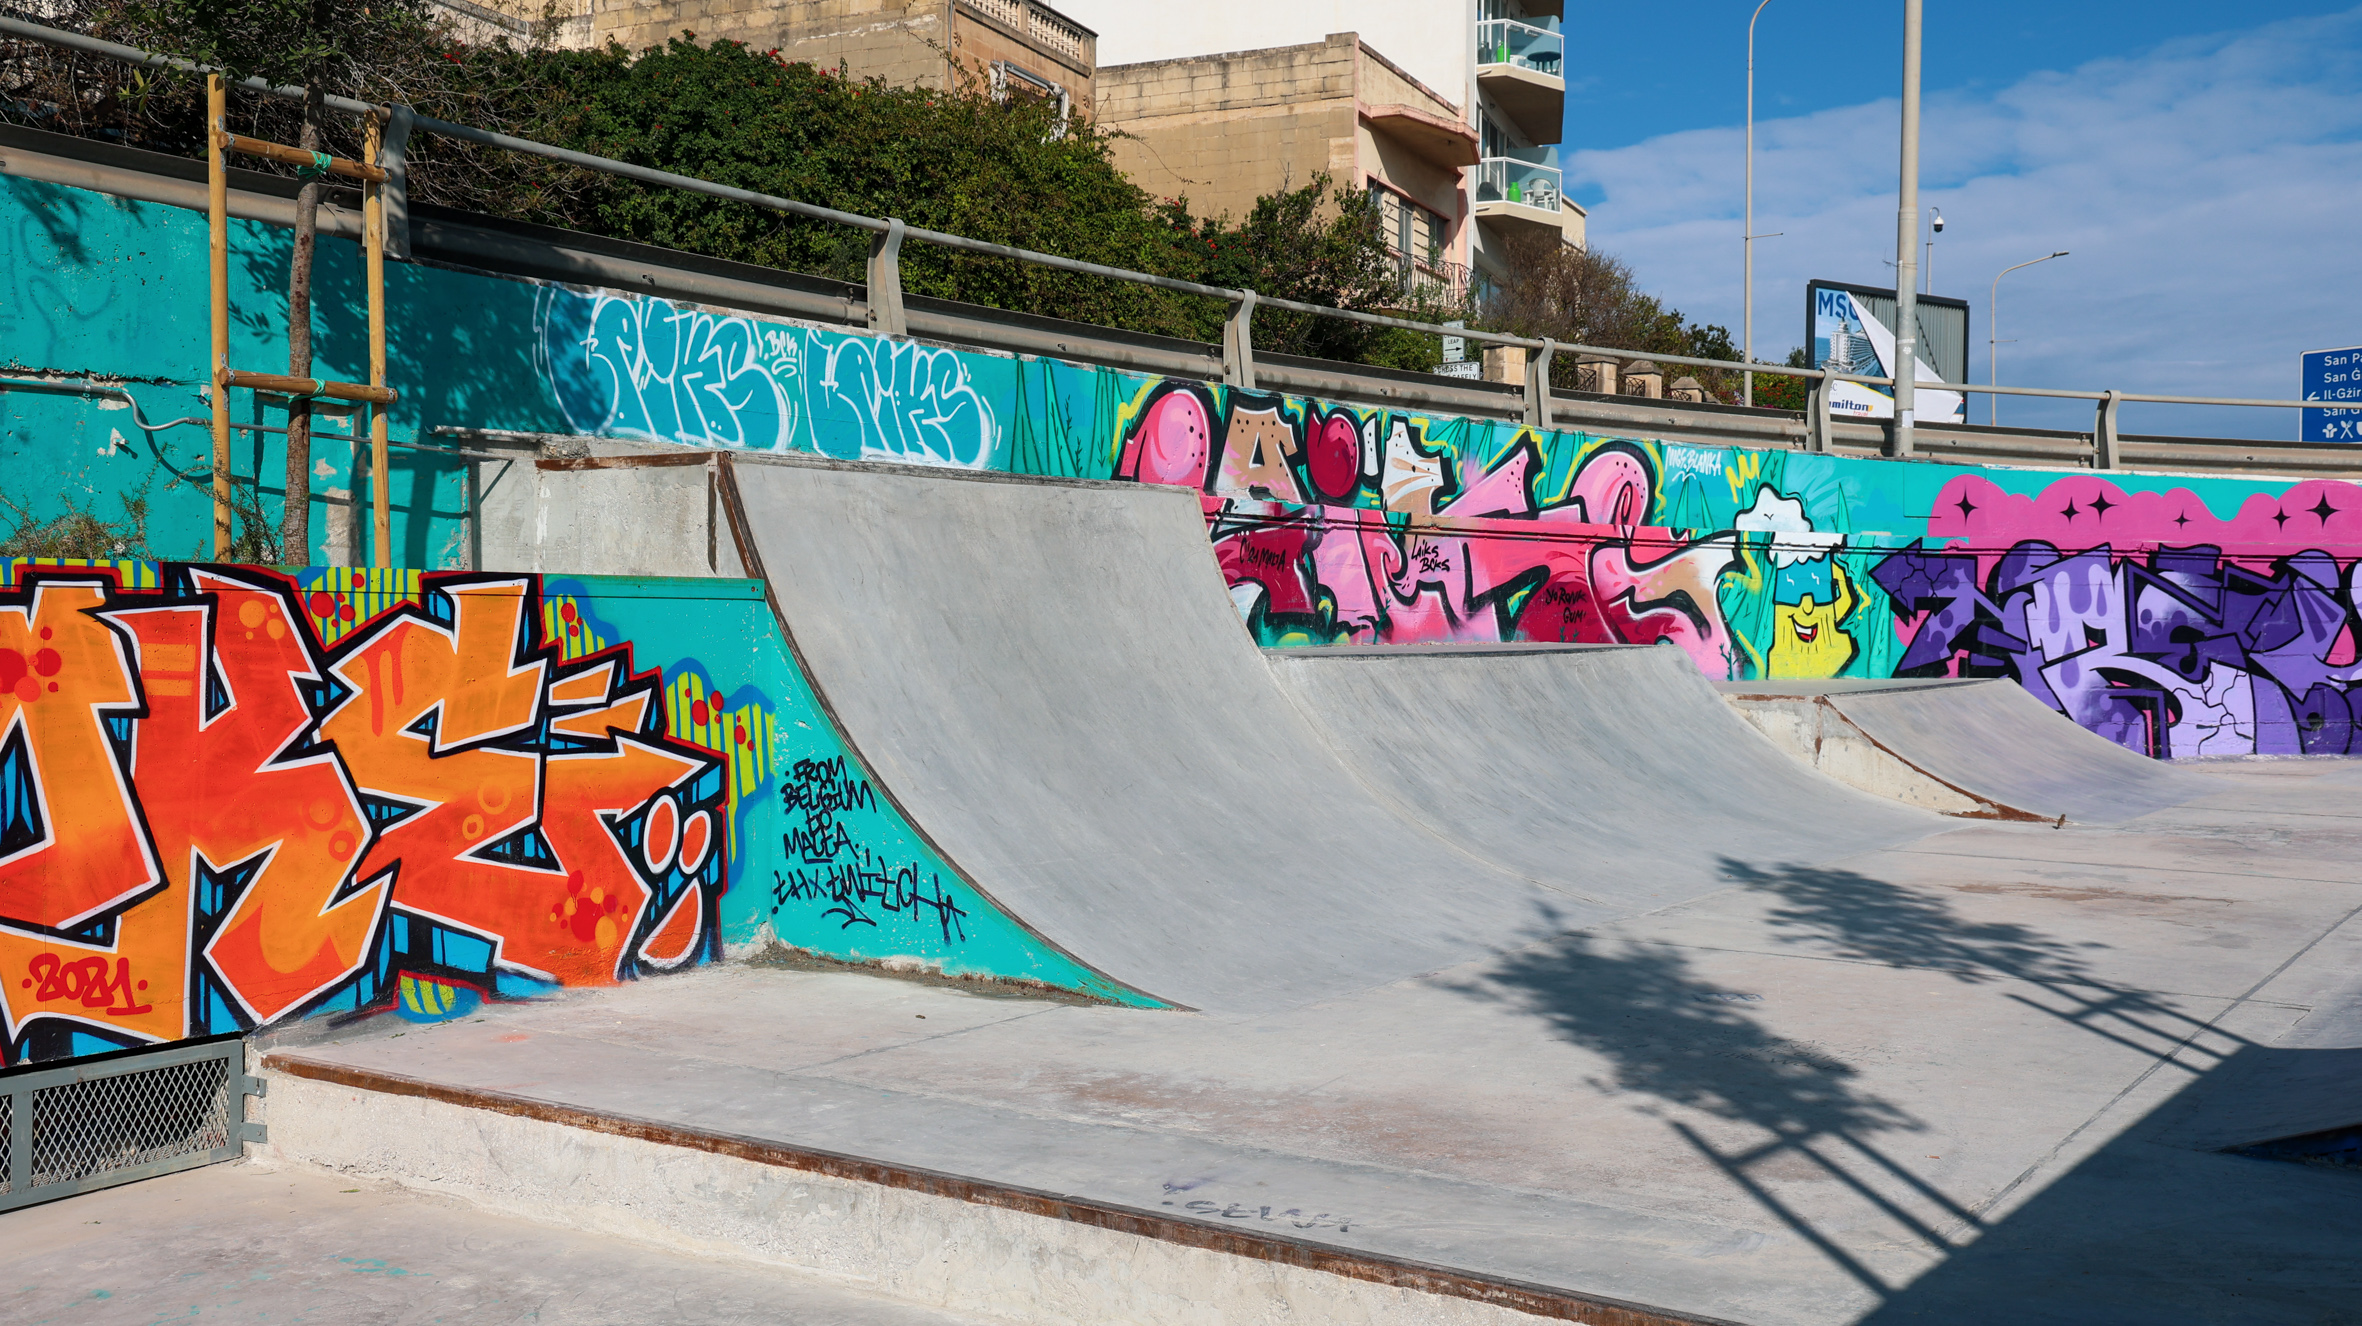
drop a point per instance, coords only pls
(939, 1239)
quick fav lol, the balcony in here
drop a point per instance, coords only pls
(1522, 190)
(1043, 28)
(1521, 68)
(1429, 281)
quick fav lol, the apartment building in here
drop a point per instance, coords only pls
(1499, 65)
(1223, 130)
(1012, 47)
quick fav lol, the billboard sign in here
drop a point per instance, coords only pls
(1851, 330)
(2333, 375)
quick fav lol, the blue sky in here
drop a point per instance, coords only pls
(2202, 162)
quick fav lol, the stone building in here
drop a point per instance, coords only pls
(1223, 130)
(1496, 67)
(1013, 47)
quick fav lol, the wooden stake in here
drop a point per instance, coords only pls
(217, 201)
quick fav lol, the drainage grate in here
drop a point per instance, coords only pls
(97, 1122)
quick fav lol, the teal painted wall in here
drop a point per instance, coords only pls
(2180, 615)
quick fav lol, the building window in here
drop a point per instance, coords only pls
(1411, 230)
(1494, 140)
(1417, 237)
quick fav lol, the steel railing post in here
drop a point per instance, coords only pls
(242, 1084)
(1816, 416)
(2104, 435)
(394, 195)
(1537, 386)
(20, 1142)
(1238, 341)
(885, 281)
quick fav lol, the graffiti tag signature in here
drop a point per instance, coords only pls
(50, 977)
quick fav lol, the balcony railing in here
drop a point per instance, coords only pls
(1047, 27)
(1529, 176)
(1435, 281)
(1505, 41)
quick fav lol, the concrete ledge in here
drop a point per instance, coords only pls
(917, 1235)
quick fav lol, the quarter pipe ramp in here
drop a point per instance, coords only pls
(1051, 681)
(1614, 770)
(1987, 744)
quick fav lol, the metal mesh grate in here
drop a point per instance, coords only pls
(7, 1141)
(130, 1119)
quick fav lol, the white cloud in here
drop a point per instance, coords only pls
(2209, 191)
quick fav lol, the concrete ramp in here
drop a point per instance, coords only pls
(1980, 748)
(1051, 681)
(1612, 771)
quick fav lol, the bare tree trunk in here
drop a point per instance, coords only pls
(295, 529)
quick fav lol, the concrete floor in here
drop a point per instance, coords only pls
(1982, 1077)
(242, 1243)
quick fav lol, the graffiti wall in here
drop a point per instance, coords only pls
(2178, 615)
(651, 370)
(231, 796)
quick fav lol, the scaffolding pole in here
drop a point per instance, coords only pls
(219, 143)
(217, 202)
(373, 243)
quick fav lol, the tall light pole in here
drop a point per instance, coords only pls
(1993, 331)
(1747, 320)
(1906, 365)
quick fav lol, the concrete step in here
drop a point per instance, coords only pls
(987, 1251)
(253, 1242)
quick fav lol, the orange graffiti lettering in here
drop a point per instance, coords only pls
(229, 790)
(77, 850)
(423, 695)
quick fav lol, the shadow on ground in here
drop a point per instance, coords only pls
(1697, 1048)
(2159, 1226)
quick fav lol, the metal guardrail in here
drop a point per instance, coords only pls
(885, 310)
(116, 1118)
(522, 249)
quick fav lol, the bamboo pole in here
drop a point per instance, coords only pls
(296, 156)
(373, 240)
(217, 200)
(314, 389)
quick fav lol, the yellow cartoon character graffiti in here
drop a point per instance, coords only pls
(1811, 594)
(1811, 599)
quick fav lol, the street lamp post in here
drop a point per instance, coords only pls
(1993, 332)
(1747, 319)
(1906, 365)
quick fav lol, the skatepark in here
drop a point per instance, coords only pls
(1660, 1023)
(1802, 1054)
(1009, 838)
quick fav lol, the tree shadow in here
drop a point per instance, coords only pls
(59, 211)
(1691, 1045)
(1859, 918)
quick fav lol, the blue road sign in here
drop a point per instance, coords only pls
(2333, 375)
